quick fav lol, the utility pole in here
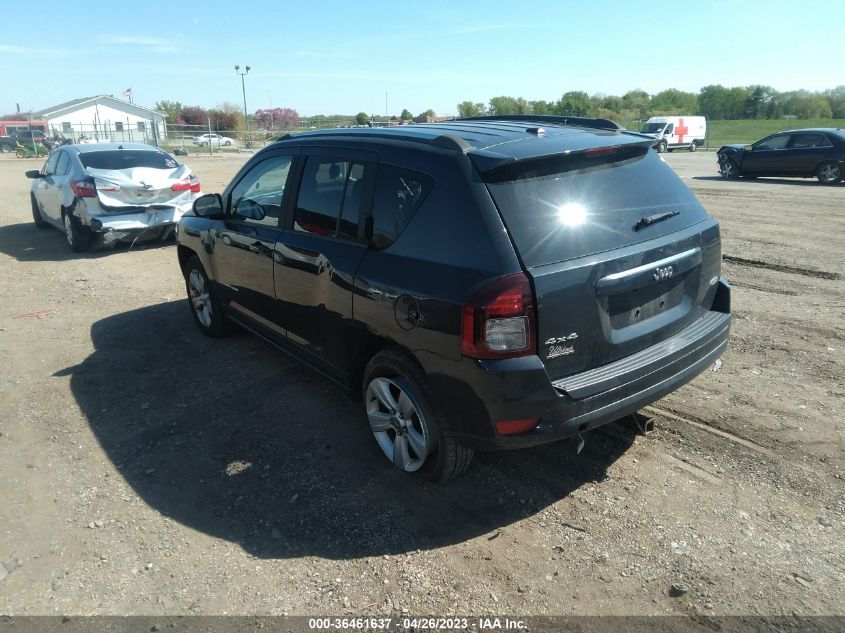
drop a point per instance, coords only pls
(243, 89)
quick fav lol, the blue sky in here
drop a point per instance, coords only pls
(342, 57)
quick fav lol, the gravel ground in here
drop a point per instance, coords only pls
(145, 469)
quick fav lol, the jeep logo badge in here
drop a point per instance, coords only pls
(664, 272)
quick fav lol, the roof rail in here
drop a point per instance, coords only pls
(600, 124)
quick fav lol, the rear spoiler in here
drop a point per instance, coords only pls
(498, 168)
(580, 121)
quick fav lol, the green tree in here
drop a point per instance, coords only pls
(362, 118)
(171, 109)
(541, 107)
(673, 101)
(429, 113)
(406, 115)
(503, 105)
(836, 98)
(468, 108)
(760, 102)
(574, 103)
(637, 101)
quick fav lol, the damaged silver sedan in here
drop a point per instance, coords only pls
(109, 192)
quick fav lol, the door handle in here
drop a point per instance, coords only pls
(258, 247)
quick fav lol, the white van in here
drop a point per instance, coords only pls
(671, 132)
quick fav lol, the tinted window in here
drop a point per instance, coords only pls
(801, 141)
(258, 197)
(669, 129)
(559, 209)
(331, 190)
(775, 142)
(126, 158)
(50, 166)
(399, 193)
(64, 161)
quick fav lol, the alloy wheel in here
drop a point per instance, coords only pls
(397, 423)
(200, 300)
(68, 229)
(829, 173)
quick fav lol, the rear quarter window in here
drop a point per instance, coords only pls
(398, 194)
(127, 159)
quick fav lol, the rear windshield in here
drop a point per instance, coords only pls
(127, 158)
(567, 207)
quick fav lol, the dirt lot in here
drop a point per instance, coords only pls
(148, 470)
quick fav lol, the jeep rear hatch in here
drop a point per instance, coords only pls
(620, 253)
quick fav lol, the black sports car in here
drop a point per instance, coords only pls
(818, 153)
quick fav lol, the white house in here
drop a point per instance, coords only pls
(104, 118)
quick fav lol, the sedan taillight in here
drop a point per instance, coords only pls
(498, 322)
(191, 184)
(83, 188)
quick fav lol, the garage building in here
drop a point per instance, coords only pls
(104, 118)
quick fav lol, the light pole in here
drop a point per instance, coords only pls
(243, 89)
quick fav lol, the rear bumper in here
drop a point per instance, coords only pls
(115, 226)
(519, 388)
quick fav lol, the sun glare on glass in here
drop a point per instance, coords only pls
(572, 214)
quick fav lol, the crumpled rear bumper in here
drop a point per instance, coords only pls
(116, 226)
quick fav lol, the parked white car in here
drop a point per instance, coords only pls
(111, 192)
(204, 140)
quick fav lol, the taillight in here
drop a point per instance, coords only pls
(601, 151)
(498, 322)
(83, 188)
(191, 184)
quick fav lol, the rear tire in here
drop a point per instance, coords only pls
(829, 173)
(36, 214)
(205, 307)
(77, 236)
(406, 421)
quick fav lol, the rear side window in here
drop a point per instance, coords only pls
(804, 141)
(330, 196)
(127, 158)
(563, 208)
(398, 194)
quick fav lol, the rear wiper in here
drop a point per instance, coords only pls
(654, 219)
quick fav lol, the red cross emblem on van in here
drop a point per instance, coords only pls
(681, 130)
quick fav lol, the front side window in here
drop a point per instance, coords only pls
(50, 166)
(398, 194)
(64, 161)
(774, 142)
(258, 197)
(330, 196)
(669, 129)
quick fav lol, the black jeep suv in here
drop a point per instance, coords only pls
(480, 283)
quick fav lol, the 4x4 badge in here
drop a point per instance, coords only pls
(664, 272)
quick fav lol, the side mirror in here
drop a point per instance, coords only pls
(33, 173)
(209, 206)
(748, 148)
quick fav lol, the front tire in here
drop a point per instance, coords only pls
(662, 147)
(406, 422)
(729, 169)
(205, 307)
(78, 237)
(693, 146)
(227, 143)
(829, 173)
(36, 214)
